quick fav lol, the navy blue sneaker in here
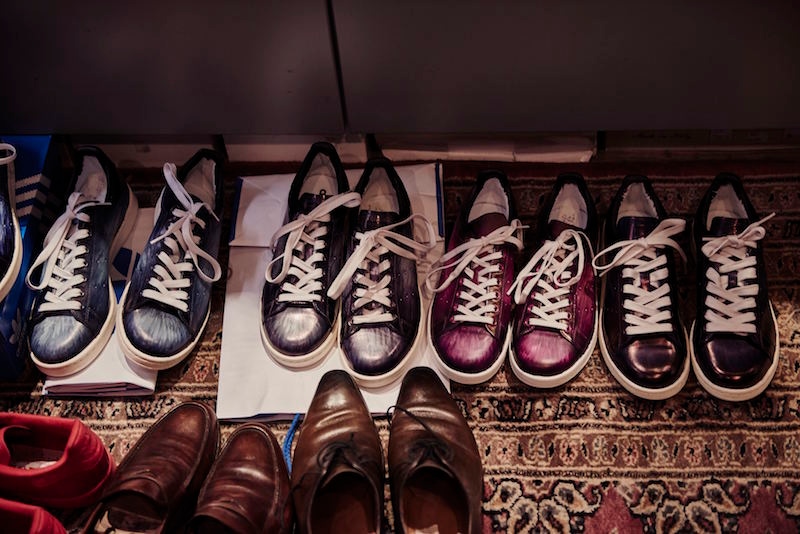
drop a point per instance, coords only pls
(73, 313)
(166, 304)
(298, 319)
(10, 239)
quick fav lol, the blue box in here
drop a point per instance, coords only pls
(40, 194)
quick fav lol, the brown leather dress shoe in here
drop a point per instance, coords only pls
(155, 487)
(247, 490)
(337, 470)
(434, 466)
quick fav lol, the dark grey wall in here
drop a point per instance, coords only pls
(475, 66)
(188, 66)
(257, 67)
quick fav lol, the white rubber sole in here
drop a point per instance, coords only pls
(8, 280)
(553, 381)
(461, 377)
(154, 363)
(306, 360)
(737, 395)
(642, 392)
(378, 381)
(90, 353)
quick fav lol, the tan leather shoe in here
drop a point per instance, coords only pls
(337, 470)
(247, 490)
(434, 466)
(155, 487)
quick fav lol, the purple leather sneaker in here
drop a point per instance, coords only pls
(642, 339)
(555, 321)
(298, 319)
(468, 325)
(381, 308)
(734, 349)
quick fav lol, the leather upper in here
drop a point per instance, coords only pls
(428, 431)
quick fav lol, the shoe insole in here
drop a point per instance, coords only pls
(129, 514)
(380, 195)
(636, 203)
(725, 204)
(200, 181)
(569, 207)
(433, 502)
(92, 180)
(344, 505)
(321, 178)
(490, 199)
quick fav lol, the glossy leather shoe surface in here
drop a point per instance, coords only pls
(155, 487)
(555, 321)
(434, 465)
(298, 318)
(337, 468)
(471, 310)
(166, 303)
(22, 518)
(10, 238)
(73, 313)
(80, 466)
(734, 345)
(247, 490)
(642, 338)
(380, 300)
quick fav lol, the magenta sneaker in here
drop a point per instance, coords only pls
(468, 324)
(555, 322)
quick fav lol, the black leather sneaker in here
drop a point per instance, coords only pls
(166, 303)
(73, 313)
(735, 347)
(10, 239)
(298, 318)
(381, 307)
(642, 338)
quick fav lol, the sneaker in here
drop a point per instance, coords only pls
(555, 322)
(73, 313)
(734, 349)
(381, 309)
(642, 338)
(298, 319)
(468, 325)
(10, 238)
(167, 301)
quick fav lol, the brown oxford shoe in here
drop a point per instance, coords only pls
(247, 490)
(434, 466)
(337, 469)
(155, 487)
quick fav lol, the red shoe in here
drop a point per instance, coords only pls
(18, 517)
(51, 461)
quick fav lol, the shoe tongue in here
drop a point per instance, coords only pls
(727, 226)
(486, 224)
(338, 467)
(370, 220)
(309, 201)
(555, 227)
(635, 227)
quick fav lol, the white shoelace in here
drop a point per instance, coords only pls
(647, 293)
(63, 257)
(168, 283)
(479, 260)
(731, 280)
(306, 230)
(368, 266)
(549, 273)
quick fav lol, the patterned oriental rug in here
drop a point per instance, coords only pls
(586, 457)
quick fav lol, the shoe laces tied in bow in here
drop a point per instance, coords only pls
(477, 261)
(168, 283)
(731, 280)
(647, 293)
